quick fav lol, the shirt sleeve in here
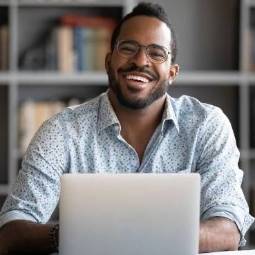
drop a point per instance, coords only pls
(36, 191)
(221, 178)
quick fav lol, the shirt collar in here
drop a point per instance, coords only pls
(107, 116)
(169, 114)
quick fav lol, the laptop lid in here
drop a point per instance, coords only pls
(129, 214)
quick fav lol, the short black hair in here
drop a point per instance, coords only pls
(151, 10)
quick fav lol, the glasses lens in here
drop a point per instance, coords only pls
(127, 48)
(157, 53)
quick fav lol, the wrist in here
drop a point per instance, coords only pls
(203, 246)
(53, 236)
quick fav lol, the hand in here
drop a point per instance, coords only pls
(218, 234)
(3, 244)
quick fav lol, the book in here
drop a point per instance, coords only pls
(85, 48)
(102, 39)
(4, 47)
(89, 48)
(65, 52)
(249, 41)
(88, 21)
(78, 49)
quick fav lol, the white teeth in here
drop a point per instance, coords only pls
(137, 78)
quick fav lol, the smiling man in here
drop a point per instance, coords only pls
(139, 70)
(134, 127)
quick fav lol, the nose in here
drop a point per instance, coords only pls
(141, 58)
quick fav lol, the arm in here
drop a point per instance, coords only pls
(28, 237)
(223, 207)
(35, 195)
(218, 234)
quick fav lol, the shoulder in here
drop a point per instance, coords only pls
(190, 108)
(79, 114)
(194, 115)
(82, 111)
(73, 119)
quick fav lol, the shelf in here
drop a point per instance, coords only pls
(247, 154)
(4, 3)
(252, 154)
(33, 78)
(100, 77)
(91, 78)
(250, 3)
(61, 3)
(4, 189)
(4, 78)
(215, 78)
(198, 78)
(251, 78)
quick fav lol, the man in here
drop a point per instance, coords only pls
(134, 127)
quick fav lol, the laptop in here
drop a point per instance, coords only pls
(129, 214)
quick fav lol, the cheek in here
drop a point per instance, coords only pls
(116, 61)
(164, 73)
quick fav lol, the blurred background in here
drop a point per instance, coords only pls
(52, 56)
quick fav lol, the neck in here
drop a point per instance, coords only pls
(138, 126)
(133, 120)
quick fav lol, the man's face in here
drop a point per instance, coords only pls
(136, 81)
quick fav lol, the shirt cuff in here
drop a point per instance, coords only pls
(15, 215)
(243, 222)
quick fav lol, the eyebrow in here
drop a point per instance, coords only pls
(151, 44)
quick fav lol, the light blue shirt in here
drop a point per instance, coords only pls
(192, 137)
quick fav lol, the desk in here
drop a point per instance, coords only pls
(244, 252)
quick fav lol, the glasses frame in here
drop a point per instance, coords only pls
(145, 47)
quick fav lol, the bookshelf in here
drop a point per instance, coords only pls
(215, 67)
(28, 21)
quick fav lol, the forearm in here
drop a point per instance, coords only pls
(27, 237)
(218, 234)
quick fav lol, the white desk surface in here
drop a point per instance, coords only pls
(244, 252)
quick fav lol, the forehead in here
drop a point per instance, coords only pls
(146, 30)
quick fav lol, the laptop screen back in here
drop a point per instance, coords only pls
(127, 214)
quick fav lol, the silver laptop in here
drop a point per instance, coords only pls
(129, 214)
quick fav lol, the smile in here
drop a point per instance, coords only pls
(137, 78)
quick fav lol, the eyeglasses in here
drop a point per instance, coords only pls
(155, 53)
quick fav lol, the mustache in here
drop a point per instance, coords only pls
(135, 68)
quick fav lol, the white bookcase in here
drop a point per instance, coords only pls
(230, 88)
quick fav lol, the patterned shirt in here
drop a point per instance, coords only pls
(192, 137)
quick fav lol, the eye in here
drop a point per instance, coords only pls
(127, 48)
(157, 53)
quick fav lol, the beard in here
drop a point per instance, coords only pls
(135, 104)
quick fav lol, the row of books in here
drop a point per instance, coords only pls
(77, 43)
(4, 47)
(249, 53)
(32, 114)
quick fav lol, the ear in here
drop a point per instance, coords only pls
(173, 72)
(107, 61)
